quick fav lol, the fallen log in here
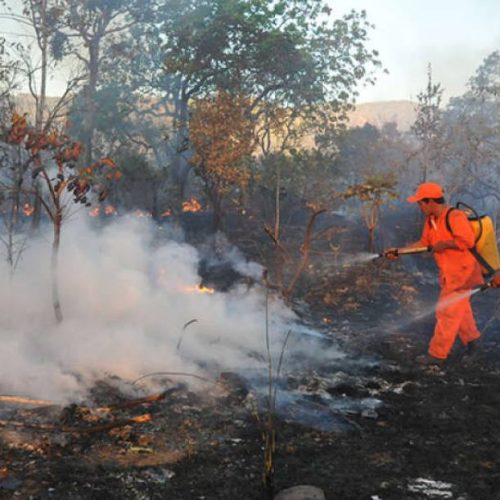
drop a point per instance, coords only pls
(137, 402)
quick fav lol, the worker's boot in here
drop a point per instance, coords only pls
(428, 360)
(472, 348)
(472, 352)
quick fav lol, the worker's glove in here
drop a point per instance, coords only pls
(495, 281)
(391, 254)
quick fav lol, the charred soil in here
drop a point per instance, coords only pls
(434, 435)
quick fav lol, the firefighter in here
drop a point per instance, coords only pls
(459, 272)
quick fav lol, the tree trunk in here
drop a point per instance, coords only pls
(89, 93)
(55, 265)
(37, 208)
(11, 224)
(40, 102)
(155, 211)
(43, 44)
(277, 203)
(306, 248)
(11, 220)
(371, 239)
(180, 164)
(218, 216)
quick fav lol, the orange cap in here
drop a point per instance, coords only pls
(426, 190)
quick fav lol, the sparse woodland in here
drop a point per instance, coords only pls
(230, 117)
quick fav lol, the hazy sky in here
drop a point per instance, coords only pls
(454, 36)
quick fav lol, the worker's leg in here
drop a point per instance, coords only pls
(449, 317)
(468, 330)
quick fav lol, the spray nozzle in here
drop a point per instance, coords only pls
(489, 284)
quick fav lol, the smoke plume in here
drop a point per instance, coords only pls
(127, 290)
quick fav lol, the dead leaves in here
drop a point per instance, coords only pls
(53, 146)
(223, 137)
(18, 130)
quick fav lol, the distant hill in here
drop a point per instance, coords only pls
(24, 103)
(402, 113)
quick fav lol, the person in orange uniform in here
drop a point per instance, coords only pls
(459, 271)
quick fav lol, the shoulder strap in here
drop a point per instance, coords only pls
(473, 216)
(486, 265)
(447, 219)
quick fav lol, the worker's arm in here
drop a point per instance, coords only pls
(441, 246)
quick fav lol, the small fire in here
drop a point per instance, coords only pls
(94, 212)
(191, 205)
(167, 213)
(198, 289)
(142, 213)
(110, 210)
(28, 209)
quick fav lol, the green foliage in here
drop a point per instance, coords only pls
(142, 184)
(279, 52)
(134, 165)
(57, 45)
(306, 175)
(375, 189)
(472, 136)
(373, 192)
(428, 129)
(429, 113)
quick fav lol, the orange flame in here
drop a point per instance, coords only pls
(110, 210)
(25, 401)
(140, 419)
(28, 209)
(94, 212)
(142, 213)
(191, 205)
(167, 213)
(198, 289)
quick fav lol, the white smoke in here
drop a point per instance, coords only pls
(125, 300)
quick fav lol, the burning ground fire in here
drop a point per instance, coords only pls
(133, 310)
(185, 289)
(132, 306)
(197, 289)
(191, 205)
(28, 209)
(125, 298)
(107, 210)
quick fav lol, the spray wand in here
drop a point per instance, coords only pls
(396, 252)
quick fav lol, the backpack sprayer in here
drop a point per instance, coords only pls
(485, 248)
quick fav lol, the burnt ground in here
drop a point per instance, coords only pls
(436, 433)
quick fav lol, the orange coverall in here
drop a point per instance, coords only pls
(459, 271)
